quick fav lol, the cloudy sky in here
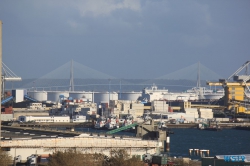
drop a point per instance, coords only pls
(125, 38)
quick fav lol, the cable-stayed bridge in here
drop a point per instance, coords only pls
(88, 79)
(191, 72)
(195, 72)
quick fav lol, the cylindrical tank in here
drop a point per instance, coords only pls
(38, 95)
(104, 97)
(213, 96)
(170, 96)
(86, 96)
(129, 95)
(53, 96)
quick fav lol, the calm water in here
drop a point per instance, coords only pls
(224, 142)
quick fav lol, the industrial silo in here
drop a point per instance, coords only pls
(86, 96)
(213, 96)
(104, 97)
(129, 95)
(54, 96)
(38, 95)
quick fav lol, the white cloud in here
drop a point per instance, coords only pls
(105, 7)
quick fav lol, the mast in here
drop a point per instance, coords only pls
(198, 77)
(71, 84)
(200, 89)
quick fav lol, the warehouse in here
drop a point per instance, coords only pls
(44, 119)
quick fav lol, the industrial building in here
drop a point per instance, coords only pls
(43, 119)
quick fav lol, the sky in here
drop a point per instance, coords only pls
(131, 39)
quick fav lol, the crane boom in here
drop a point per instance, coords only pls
(228, 83)
(239, 70)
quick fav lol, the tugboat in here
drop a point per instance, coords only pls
(204, 126)
(100, 123)
(112, 122)
(129, 119)
(162, 124)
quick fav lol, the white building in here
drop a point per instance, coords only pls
(78, 118)
(44, 119)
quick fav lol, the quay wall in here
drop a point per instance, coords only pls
(88, 144)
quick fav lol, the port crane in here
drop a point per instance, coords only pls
(236, 97)
(7, 75)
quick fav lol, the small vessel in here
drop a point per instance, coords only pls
(213, 128)
(204, 126)
(112, 122)
(100, 123)
(162, 124)
(129, 119)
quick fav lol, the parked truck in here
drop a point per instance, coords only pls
(36, 159)
(155, 159)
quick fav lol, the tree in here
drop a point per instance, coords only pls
(5, 159)
(121, 157)
(72, 157)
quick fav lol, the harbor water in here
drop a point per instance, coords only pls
(224, 142)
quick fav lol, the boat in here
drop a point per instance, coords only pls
(129, 119)
(213, 128)
(162, 125)
(112, 122)
(204, 126)
(100, 123)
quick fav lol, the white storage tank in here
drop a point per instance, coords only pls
(129, 95)
(38, 95)
(53, 96)
(86, 96)
(213, 96)
(104, 97)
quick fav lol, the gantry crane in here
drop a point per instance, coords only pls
(236, 96)
(8, 75)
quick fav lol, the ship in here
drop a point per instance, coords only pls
(129, 119)
(204, 126)
(112, 122)
(100, 123)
